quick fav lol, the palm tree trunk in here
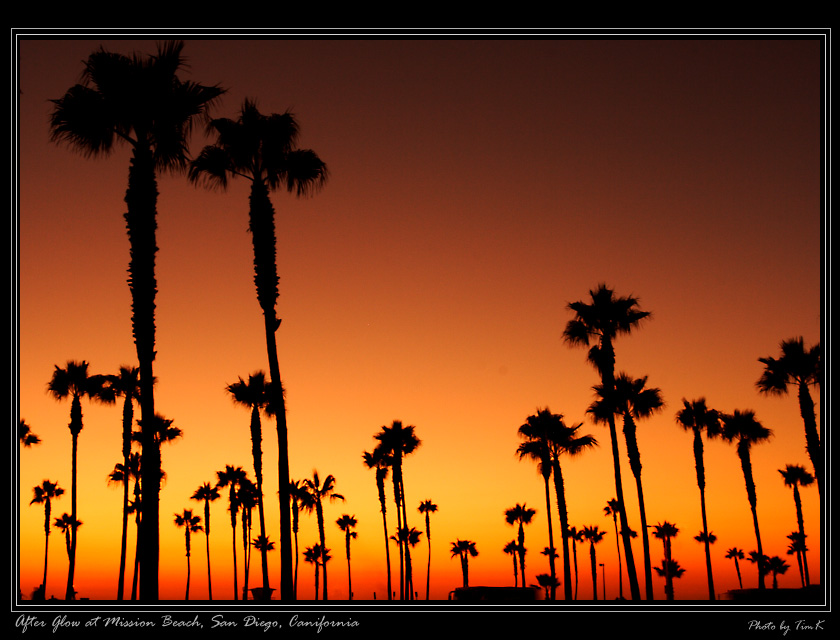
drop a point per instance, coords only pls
(349, 580)
(319, 512)
(701, 484)
(128, 419)
(550, 539)
(560, 490)
(521, 551)
(797, 499)
(636, 467)
(235, 570)
(746, 467)
(70, 593)
(429, 558)
(47, 509)
(594, 570)
(380, 483)
(256, 450)
(812, 436)
(618, 551)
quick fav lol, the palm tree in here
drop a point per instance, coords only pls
(246, 496)
(776, 566)
(547, 583)
(519, 516)
(395, 443)
(75, 382)
(317, 555)
(762, 562)
(25, 435)
(665, 531)
(139, 101)
(253, 394)
(262, 149)
(464, 549)
(707, 538)
(426, 507)
(44, 494)
(262, 544)
(797, 547)
(316, 493)
(346, 524)
(795, 476)
(594, 535)
(122, 475)
(670, 569)
(408, 538)
(296, 496)
(601, 321)
(798, 367)
(696, 417)
(191, 524)
(232, 477)
(207, 493)
(381, 462)
(736, 554)
(67, 524)
(743, 427)
(512, 549)
(575, 536)
(612, 509)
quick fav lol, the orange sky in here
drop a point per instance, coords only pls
(476, 188)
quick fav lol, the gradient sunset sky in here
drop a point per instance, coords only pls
(477, 187)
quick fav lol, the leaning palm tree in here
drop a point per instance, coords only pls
(665, 531)
(207, 493)
(316, 493)
(253, 395)
(696, 417)
(139, 101)
(512, 549)
(464, 549)
(602, 320)
(25, 435)
(122, 474)
(262, 149)
(736, 554)
(347, 523)
(611, 510)
(426, 507)
(594, 535)
(75, 382)
(796, 476)
(44, 494)
(232, 477)
(519, 516)
(742, 426)
(799, 367)
(191, 524)
(669, 570)
(381, 462)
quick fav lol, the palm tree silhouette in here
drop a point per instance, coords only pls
(797, 547)
(742, 426)
(122, 475)
(75, 382)
(601, 321)
(762, 562)
(346, 523)
(408, 538)
(247, 497)
(426, 507)
(262, 149)
(139, 101)
(232, 478)
(381, 462)
(44, 494)
(707, 538)
(512, 549)
(798, 367)
(317, 555)
(25, 435)
(316, 493)
(207, 493)
(547, 583)
(262, 544)
(296, 496)
(594, 535)
(665, 531)
(776, 566)
(669, 570)
(736, 554)
(575, 536)
(254, 395)
(611, 510)
(464, 549)
(796, 476)
(67, 524)
(519, 516)
(696, 417)
(191, 524)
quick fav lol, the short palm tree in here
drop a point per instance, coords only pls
(380, 461)
(594, 535)
(44, 494)
(139, 101)
(512, 549)
(122, 475)
(669, 570)
(519, 516)
(797, 547)
(736, 554)
(762, 563)
(316, 493)
(464, 549)
(232, 477)
(427, 507)
(696, 417)
(262, 544)
(263, 149)
(67, 524)
(207, 493)
(318, 556)
(246, 496)
(665, 531)
(743, 428)
(575, 536)
(347, 523)
(777, 566)
(191, 524)
(796, 476)
(74, 382)
(799, 367)
(612, 510)
(547, 583)
(25, 435)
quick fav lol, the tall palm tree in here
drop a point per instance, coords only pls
(191, 524)
(232, 477)
(736, 554)
(346, 523)
(742, 426)
(799, 367)
(669, 570)
(67, 524)
(512, 549)
(379, 461)
(575, 536)
(696, 417)
(600, 321)
(464, 549)
(396, 441)
(122, 475)
(796, 476)
(797, 547)
(665, 531)
(296, 496)
(25, 435)
(316, 493)
(519, 516)
(253, 394)
(44, 494)
(594, 535)
(263, 149)
(207, 493)
(427, 507)
(707, 538)
(139, 101)
(776, 566)
(612, 510)
(75, 382)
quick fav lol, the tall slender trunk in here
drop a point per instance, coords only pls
(521, 551)
(812, 436)
(635, 459)
(559, 489)
(380, 485)
(701, 484)
(128, 419)
(319, 512)
(594, 570)
(256, 450)
(47, 510)
(746, 467)
(75, 427)
(550, 538)
(233, 537)
(797, 499)
(207, 542)
(349, 580)
(429, 557)
(618, 550)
